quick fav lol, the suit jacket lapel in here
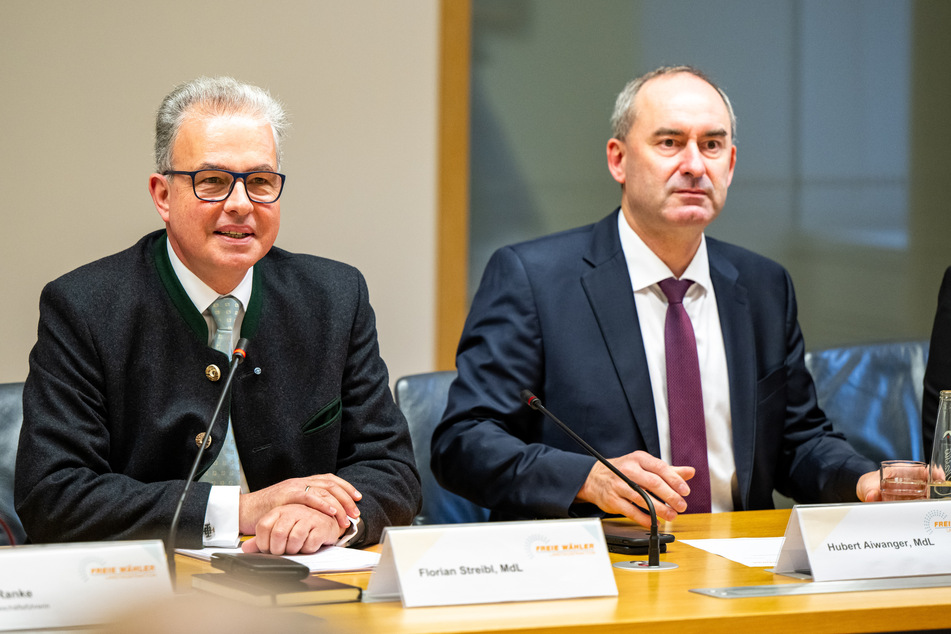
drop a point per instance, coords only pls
(186, 308)
(736, 323)
(608, 288)
(184, 305)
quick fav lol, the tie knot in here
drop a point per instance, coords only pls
(675, 289)
(224, 311)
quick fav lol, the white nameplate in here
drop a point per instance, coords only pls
(63, 585)
(839, 542)
(492, 562)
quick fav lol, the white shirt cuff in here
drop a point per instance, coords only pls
(351, 532)
(221, 518)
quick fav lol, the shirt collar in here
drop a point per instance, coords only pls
(646, 269)
(200, 293)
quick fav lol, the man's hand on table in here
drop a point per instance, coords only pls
(298, 515)
(666, 484)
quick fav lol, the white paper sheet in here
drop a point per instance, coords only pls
(326, 560)
(755, 552)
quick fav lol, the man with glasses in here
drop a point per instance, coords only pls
(132, 348)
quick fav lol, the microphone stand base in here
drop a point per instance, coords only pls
(643, 565)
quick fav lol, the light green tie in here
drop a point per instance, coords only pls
(226, 469)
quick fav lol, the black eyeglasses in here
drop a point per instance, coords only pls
(216, 185)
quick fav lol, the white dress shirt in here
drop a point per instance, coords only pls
(646, 270)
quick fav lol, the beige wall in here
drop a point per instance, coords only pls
(80, 85)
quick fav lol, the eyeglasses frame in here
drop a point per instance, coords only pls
(234, 176)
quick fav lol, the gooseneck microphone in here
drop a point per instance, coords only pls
(653, 548)
(237, 357)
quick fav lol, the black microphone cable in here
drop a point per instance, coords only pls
(237, 357)
(653, 549)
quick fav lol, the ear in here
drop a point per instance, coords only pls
(160, 191)
(732, 165)
(617, 155)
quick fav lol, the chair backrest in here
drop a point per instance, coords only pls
(422, 399)
(872, 395)
(11, 417)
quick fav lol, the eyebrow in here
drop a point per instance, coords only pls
(262, 167)
(717, 132)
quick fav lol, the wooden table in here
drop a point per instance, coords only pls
(660, 599)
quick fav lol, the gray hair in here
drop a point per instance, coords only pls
(213, 96)
(623, 117)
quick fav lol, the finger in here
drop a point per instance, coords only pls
(335, 496)
(611, 494)
(313, 542)
(312, 531)
(871, 493)
(685, 473)
(662, 510)
(296, 538)
(324, 532)
(330, 480)
(262, 535)
(663, 495)
(619, 498)
(342, 519)
(351, 490)
(316, 498)
(277, 538)
(640, 515)
(641, 462)
(675, 477)
(250, 546)
(664, 482)
(345, 494)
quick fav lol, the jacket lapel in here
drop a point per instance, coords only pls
(184, 305)
(608, 288)
(736, 323)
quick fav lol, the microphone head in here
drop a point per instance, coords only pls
(240, 350)
(530, 399)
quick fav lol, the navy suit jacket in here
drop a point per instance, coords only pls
(118, 392)
(557, 315)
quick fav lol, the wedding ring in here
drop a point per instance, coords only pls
(306, 488)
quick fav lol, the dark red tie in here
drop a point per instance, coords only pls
(688, 432)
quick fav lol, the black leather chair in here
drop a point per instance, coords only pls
(872, 395)
(11, 417)
(422, 399)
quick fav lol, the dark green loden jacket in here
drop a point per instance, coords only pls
(118, 392)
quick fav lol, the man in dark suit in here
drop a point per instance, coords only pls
(125, 372)
(583, 319)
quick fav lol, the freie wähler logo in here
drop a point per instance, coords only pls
(936, 520)
(532, 543)
(97, 569)
(539, 545)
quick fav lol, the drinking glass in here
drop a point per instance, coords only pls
(904, 480)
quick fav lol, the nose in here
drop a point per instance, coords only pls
(238, 202)
(691, 163)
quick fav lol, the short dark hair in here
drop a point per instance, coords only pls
(623, 117)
